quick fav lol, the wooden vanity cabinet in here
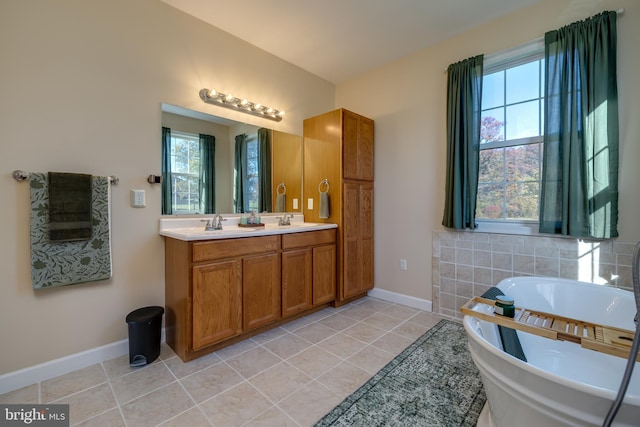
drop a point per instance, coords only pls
(220, 291)
(339, 147)
(308, 270)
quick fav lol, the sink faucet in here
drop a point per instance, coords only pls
(214, 223)
(286, 219)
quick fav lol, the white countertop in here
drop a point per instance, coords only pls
(191, 229)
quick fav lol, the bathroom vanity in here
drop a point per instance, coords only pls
(226, 285)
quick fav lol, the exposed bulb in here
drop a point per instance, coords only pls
(229, 98)
(213, 93)
(244, 103)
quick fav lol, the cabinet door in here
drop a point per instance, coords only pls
(357, 238)
(296, 281)
(260, 290)
(324, 274)
(217, 301)
(357, 148)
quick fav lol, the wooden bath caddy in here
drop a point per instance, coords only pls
(605, 339)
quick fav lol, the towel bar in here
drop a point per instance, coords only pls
(20, 175)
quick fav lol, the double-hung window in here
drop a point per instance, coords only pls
(511, 136)
(185, 171)
(252, 183)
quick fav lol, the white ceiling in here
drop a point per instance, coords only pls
(340, 39)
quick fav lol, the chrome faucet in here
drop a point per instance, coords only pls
(286, 219)
(214, 223)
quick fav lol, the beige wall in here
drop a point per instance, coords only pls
(80, 91)
(407, 100)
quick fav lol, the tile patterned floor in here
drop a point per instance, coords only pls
(289, 376)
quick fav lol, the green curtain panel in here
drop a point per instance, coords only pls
(167, 195)
(464, 99)
(579, 194)
(264, 170)
(207, 179)
(240, 172)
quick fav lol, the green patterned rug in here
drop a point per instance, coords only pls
(433, 382)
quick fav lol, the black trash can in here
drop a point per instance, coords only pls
(145, 325)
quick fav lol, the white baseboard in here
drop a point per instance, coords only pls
(54, 368)
(419, 303)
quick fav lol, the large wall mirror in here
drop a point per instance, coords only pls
(282, 183)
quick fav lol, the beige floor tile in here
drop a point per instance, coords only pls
(211, 381)
(191, 418)
(118, 367)
(269, 335)
(287, 345)
(342, 345)
(157, 406)
(425, 318)
(358, 312)
(364, 332)
(371, 359)
(376, 304)
(310, 403)
(89, 403)
(411, 330)
(273, 417)
(253, 362)
(393, 343)
(235, 349)
(73, 382)
(111, 418)
(297, 324)
(280, 381)
(181, 369)
(344, 379)
(236, 406)
(314, 361)
(143, 381)
(315, 332)
(383, 321)
(24, 395)
(166, 352)
(338, 322)
(401, 311)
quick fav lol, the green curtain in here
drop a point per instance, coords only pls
(240, 172)
(264, 170)
(579, 194)
(167, 194)
(207, 179)
(464, 102)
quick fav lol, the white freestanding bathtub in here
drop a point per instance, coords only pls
(561, 384)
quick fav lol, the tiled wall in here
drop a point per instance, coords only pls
(465, 264)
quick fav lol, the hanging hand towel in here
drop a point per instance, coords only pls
(324, 210)
(281, 198)
(66, 263)
(69, 207)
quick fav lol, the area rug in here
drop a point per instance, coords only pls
(433, 382)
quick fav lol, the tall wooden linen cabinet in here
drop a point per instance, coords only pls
(338, 148)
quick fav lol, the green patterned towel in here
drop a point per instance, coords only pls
(67, 263)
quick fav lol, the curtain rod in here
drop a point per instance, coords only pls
(618, 12)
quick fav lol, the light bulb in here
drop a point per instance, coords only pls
(229, 98)
(244, 103)
(213, 93)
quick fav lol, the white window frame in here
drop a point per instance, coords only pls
(196, 138)
(495, 62)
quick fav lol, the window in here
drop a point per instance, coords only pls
(185, 172)
(511, 135)
(252, 185)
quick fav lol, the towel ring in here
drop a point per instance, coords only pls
(284, 189)
(323, 182)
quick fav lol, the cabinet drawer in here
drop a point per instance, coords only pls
(228, 248)
(308, 238)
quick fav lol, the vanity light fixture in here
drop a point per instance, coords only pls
(212, 96)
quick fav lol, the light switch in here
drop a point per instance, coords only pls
(137, 199)
(310, 204)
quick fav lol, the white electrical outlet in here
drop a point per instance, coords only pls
(295, 204)
(137, 199)
(310, 204)
(403, 264)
